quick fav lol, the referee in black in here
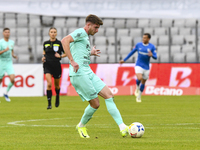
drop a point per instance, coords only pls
(52, 54)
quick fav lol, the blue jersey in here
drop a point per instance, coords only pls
(143, 58)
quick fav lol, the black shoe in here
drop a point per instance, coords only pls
(57, 101)
(49, 107)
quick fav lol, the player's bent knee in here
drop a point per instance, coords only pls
(95, 106)
(57, 87)
(13, 81)
(49, 85)
(139, 78)
(109, 94)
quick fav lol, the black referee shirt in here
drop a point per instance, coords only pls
(51, 48)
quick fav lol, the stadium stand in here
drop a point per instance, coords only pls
(59, 22)
(119, 23)
(131, 23)
(135, 32)
(154, 22)
(167, 23)
(178, 57)
(71, 22)
(160, 31)
(142, 23)
(163, 40)
(149, 30)
(116, 37)
(191, 57)
(164, 58)
(108, 23)
(163, 50)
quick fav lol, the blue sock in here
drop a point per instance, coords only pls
(89, 111)
(138, 82)
(142, 87)
(114, 112)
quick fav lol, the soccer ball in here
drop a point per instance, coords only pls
(136, 130)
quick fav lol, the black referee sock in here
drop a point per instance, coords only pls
(49, 95)
(57, 92)
(57, 97)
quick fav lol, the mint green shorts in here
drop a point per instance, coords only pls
(87, 86)
(6, 67)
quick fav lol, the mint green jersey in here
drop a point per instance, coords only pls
(6, 56)
(80, 50)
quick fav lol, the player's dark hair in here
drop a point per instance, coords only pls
(6, 29)
(52, 28)
(94, 19)
(149, 35)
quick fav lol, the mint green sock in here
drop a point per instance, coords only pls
(9, 87)
(114, 112)
(89, 111)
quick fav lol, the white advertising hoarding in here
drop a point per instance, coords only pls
(28, 81)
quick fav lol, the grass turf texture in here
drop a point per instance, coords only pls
(170, 123)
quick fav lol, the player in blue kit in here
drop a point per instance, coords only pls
(145, 51)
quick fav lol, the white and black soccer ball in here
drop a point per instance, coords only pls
(136, 130)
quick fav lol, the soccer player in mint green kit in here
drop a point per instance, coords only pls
(6, 64)
(86, 83)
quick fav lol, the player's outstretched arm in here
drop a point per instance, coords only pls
(66, 46)
(43, 58)
(154, 54)
(13, 55)
(128, 56)
(121, 61)
(1, 52)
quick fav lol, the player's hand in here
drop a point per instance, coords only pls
(150, 54)
(43, 59)
(95, 51)
(121, 61)
(57, 55)
(7, 49)
(15, 56)
(75, 66)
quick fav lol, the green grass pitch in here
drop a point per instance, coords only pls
(170, 123)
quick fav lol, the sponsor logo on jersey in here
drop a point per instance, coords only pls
(93, 94)
(78, 35)
(143, 53)
(87, 46)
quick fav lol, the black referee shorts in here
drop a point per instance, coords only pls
(54, 68)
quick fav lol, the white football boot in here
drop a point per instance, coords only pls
(138, 98)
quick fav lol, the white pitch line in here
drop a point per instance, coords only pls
(32, 120)
(18, 123)
(175, 124)
(148, 126)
